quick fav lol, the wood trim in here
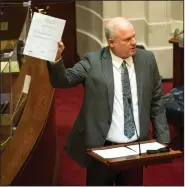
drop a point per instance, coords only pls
(167, 80)
(32, 121)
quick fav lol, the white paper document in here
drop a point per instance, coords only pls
(115, 152)
(146, 146)
(44, 33)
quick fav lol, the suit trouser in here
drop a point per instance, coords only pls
(100, 175)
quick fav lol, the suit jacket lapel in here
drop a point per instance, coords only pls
(109, 78)
(139, 74)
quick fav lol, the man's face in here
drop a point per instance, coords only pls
(124, 42)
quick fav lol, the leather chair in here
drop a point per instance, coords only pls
(174, 104)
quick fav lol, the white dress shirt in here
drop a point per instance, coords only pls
(116, 131)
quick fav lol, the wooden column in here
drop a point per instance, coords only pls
(178, 63)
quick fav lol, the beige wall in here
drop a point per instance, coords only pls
(89, 23)
(154, 21)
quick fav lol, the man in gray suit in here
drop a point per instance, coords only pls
(122, 92)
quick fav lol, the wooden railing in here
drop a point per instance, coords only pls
(30, 157)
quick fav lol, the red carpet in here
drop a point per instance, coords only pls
(68, 102)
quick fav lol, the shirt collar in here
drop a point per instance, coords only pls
(117, 62)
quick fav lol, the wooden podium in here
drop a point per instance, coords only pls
(29, 155)
(126, 162)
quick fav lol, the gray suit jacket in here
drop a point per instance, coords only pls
(95, 72)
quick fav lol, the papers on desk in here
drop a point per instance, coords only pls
(115, 152)
(128, 150)
(146, 146)
(44, 33)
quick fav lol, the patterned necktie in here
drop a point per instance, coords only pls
(129, 127)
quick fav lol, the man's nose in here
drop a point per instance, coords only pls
(133, 41)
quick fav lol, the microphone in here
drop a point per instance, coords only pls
(138, 138)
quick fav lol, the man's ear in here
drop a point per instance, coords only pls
(110, 42)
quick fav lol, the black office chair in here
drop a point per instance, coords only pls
(174, 104)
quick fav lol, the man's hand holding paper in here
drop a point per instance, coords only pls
(61, 48)
(43, 36)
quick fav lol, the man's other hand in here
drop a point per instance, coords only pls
(60, 50)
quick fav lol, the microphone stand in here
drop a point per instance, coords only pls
(138, 138)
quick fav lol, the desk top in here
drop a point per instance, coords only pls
(134, 160)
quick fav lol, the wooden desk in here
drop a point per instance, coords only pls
(144, 159)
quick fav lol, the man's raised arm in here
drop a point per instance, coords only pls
(60, 77)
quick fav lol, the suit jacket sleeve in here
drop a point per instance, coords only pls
(158, 112)
(60, 77)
